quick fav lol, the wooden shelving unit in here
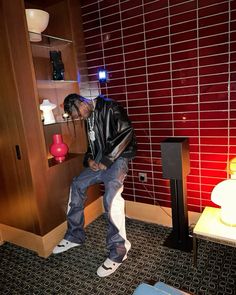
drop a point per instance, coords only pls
(34, 185)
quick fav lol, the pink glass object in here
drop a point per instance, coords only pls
(58, 148)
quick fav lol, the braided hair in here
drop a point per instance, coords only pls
(71, 101)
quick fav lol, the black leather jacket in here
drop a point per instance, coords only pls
(113, 132)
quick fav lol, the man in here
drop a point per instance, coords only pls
(111, 145)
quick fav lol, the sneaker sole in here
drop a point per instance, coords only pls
(61, 250)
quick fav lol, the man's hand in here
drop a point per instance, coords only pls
(96, 166)
(93, 165)
(102, 167)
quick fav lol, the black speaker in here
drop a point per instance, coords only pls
(176, 166)
(175, 157)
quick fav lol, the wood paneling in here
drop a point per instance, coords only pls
(15, 177)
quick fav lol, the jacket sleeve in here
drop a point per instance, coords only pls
(88, 155)
(119, 134)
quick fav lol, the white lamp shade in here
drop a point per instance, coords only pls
(47, 107)
(37, 22)
(224, 195)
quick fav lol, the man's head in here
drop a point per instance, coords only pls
(77, 106)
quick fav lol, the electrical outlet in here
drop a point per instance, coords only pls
(142, 177)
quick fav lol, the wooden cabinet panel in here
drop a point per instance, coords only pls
(15, 178)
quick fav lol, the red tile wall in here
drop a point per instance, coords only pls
(172, 65)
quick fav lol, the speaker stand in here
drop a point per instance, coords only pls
(173, 243)
(179, 237)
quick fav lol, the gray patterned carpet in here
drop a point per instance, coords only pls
(74, 272)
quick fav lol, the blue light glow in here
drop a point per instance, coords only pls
(102, 76)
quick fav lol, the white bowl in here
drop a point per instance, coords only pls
(37, 22)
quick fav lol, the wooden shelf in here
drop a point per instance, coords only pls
(42, 84)
(61, 122)
(52, 162)
(51, 42)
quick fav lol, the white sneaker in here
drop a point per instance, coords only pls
(107, 268)
(63, 246)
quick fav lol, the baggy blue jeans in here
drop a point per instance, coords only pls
(113, 178)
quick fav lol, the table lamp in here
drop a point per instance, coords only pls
(224, 195)
(46, 106)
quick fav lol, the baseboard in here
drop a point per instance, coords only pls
(155, 214)
(43, 245)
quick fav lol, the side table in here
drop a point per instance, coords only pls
(210, 227)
